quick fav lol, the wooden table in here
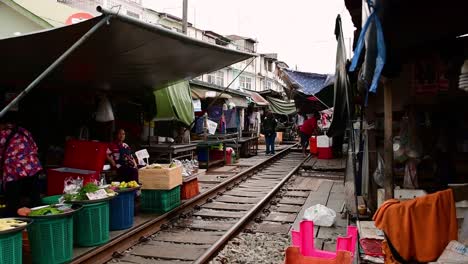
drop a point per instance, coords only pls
(205, 146)
(169, 151)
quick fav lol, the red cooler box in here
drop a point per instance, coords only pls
(82, 159)
(324, 147)
(313, 145)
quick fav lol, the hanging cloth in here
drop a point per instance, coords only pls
(373, 38)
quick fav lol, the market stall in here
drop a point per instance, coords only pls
(220, 119)
(73, 71)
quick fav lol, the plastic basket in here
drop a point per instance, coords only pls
(51, 240)
(54, 199)
(92, 225)
(11, 248)
(121, 210)
(160, 201)
(189, 189)
(202, 155)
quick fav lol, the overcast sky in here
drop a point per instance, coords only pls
(300, 31)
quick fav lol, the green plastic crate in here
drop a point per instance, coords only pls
(160, 201)
(91, 225)
(51, 240)
(11, 248)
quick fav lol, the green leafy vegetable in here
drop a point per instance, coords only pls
(49, 210)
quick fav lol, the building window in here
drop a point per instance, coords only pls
(270, 66)
(133, 14)
(216, 78)
(267, 85)
(245, 82)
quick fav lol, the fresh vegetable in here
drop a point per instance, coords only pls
(49, 210)
(81, 195)
(6, 224)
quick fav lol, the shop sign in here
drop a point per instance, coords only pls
(77, 18)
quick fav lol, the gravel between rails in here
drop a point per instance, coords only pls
(249, 248)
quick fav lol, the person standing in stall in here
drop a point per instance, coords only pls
(269, 130)
(307, 130)
(121, 159)
(20, 165)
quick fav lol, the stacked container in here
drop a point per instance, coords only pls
(324, 147)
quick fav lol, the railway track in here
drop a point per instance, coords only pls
(199, 228)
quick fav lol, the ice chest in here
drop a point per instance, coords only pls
(82, 159)
(324, 147)
(164, 178)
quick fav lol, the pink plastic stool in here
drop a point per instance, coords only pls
(304, 239)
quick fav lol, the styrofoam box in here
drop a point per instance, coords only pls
(400, 194)
(324, 142)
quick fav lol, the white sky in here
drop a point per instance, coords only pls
(300, 31)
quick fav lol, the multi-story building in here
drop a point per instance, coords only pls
(257, 75)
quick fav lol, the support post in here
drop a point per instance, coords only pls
(388, 140)
(185, 17)
(54, 65)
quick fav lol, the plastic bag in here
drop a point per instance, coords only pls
(104, 111)
(379, 172)
(72, 186)
(320, 215)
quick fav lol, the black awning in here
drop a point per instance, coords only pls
(124, 55)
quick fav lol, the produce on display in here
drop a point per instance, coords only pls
(8, 223)
(47, 210)
(80, 194)
(124, 185)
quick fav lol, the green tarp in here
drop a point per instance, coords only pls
(281, 107)
(175, 103)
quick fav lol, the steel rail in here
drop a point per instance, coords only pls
(133, 236)
(246, 218)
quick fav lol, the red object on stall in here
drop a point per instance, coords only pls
(190, 189)
(313, 145)
(219, 155)
(82, 159)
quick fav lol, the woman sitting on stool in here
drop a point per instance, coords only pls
(120, 157)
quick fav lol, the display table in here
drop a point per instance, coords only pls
(167, 151)
(205, 146)
(245, 146)
(223, 136)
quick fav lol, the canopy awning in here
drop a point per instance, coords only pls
(281, 107)
(258, 99)
(200, 93)
(306, 82)
(124, 54)
(238, 101)
(175, 103)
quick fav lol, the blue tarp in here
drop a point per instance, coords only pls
(309, 83)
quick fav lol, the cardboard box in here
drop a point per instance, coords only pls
(164, 178)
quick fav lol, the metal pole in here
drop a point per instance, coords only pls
(388, 142)
(54, 65)
(184, 16)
